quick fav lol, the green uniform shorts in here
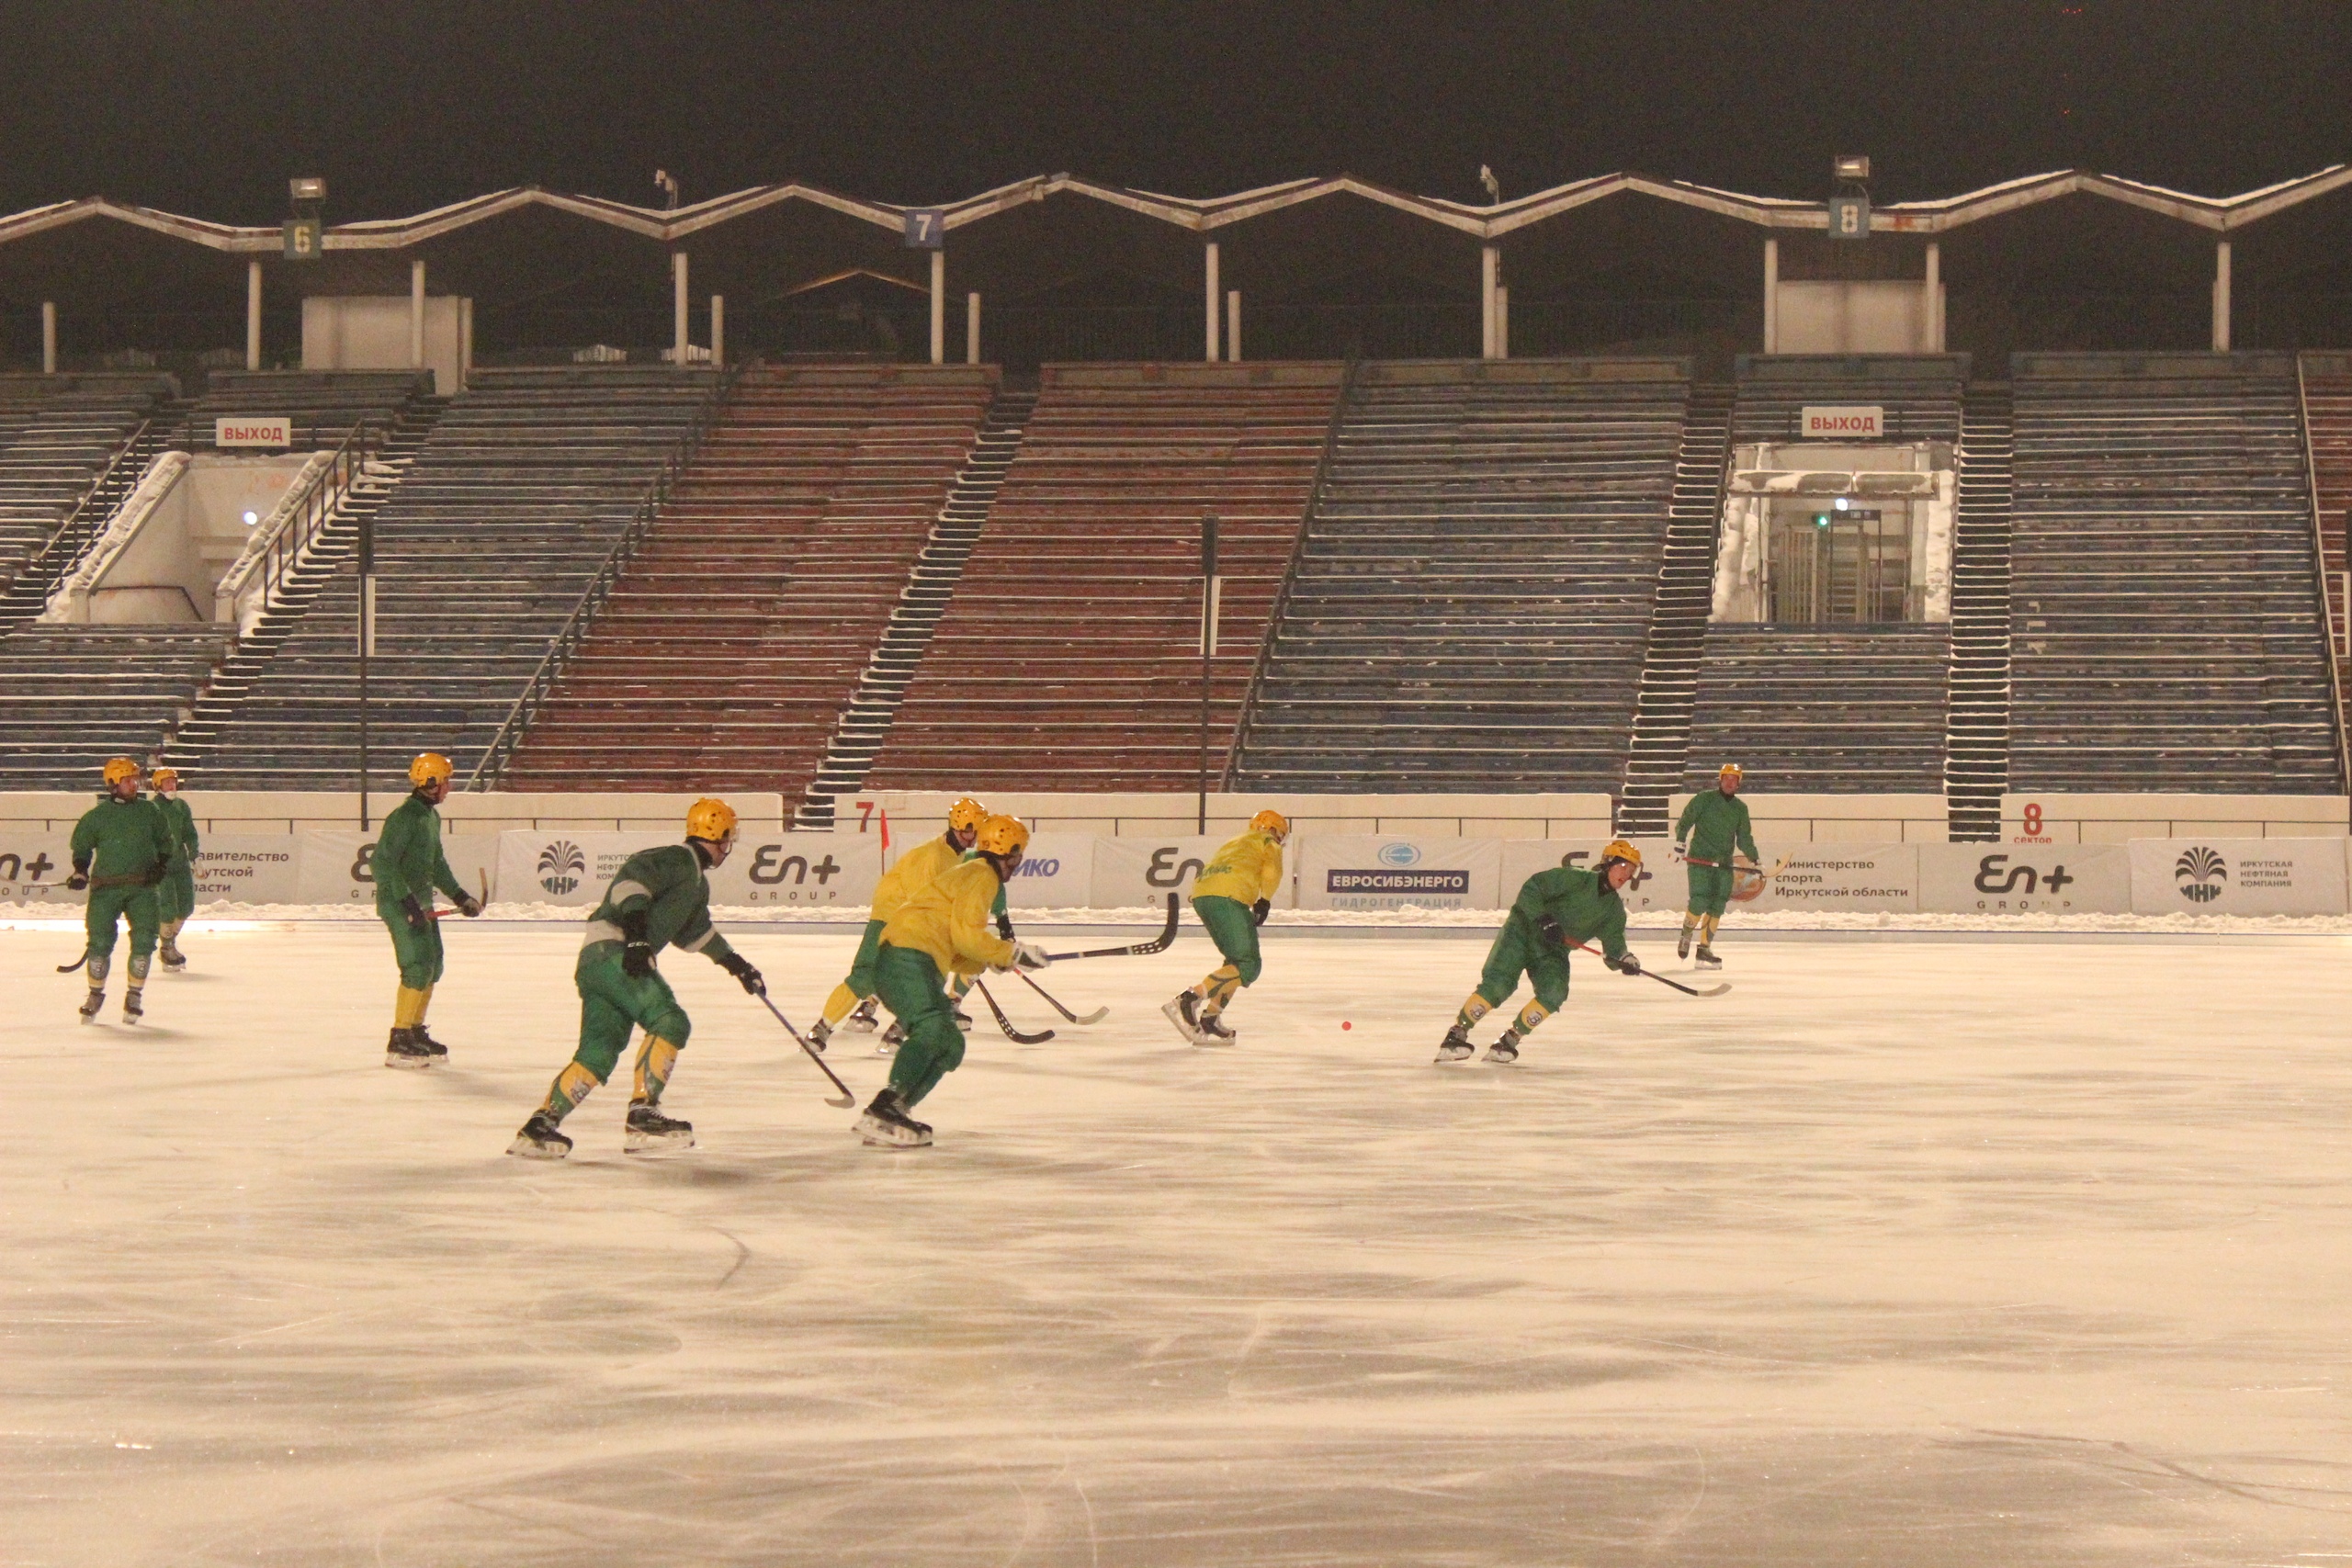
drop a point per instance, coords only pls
(1519, 950)
(176, 896)
(1709, 889)
(135, 904)
(1233, 931)
(613, 1001)
(418, 951)
(916, 993)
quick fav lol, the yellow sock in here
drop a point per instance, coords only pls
(1689, 921)
(1707, 931)
(408, 1009)
(572, 1085)
(1528, 1017)
(842, 1003)
(424, 1004)
(656, 1060)
(1476, 1008)
(1220, 984)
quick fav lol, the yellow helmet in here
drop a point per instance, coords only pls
(1619, 849)
(163, 776)
(1272, 822)
(118, 769)
(1731, 769)
(428, 766)
(965, 814)
(712, 819)
(1002, 835)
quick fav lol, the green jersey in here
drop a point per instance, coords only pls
(119, 842)
(1712, 824)
(1584, 906)
(668, 887)
(179, 826)
(409, 862)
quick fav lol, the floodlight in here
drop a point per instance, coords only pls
(1843, 503)
(1850, 166)
(308, 190)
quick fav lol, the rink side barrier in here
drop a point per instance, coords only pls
(1393, 871)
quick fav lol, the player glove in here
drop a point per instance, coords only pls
(79, 880)
(417, 918)
(1029, 955)
(1626, 964)
(1004, 926)
(468, 906)
(735, 963)
(636, 952)
(1549, 930)
(1259, 910)
(155, 873)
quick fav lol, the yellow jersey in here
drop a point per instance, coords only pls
(911, 873)
(949, 919)
(1247, 869)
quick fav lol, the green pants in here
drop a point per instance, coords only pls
(134, 903)
(914, 989)
(1519, 949)
(861, 968)
(612, 1001)
(419, 951)
(176, 896)
(1709, 889)
(1233, 930)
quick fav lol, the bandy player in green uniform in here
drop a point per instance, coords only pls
(408, 866)
(121, 849)
(1554, 909)
(1712, 827)
(660, 897)
(176, 896)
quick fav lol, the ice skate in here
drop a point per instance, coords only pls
(540, 1139)
(1213, 1032)
(886, 1125)
(819, 1032)
(962, 1020)
(862, 1020)
(1455, 1046)
(1706, 959)
(90, 1006)
(403, 1051)
(1682, 944)
(1504, 1052)
(134, 1007)
(649, 1131)
(174, 959)
(1183, 1010)
(432, 1048)
(892, 1038)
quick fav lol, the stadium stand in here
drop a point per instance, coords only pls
(324, 406)
(728, 648)
(2327, 423)
(2165, 624)
(1071, 645)
(1976, 720)
(519, 503)
(71, 447)
(73, 697)
(1470, 601)
(1819, 709)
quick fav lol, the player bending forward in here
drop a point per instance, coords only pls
(1554, 908)
(913, 871)
(176, 895)
(121, 849)
(660, 897)
(1232, 896)
(1713, 826)
(941, 929)
(408, 865)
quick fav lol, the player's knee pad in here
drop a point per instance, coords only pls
(671, 1023)
(99, 963)
(139, 963)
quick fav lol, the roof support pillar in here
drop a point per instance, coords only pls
(1232, 323)
(718, 331)
(972, 328)
(49, 338)
(416, 314)
(1932, 302)
(1772, 296)
(2221, 298)
(678, 309)
(465, 343)
(1502, 321)
(1213, 295)
(1490, 278)
(253, 314)
(939, 307)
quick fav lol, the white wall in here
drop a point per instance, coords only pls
(167, 549)
(369, 332)
(1855, 316)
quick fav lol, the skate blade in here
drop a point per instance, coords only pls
(409, 1064)
(886, 1048)
(1448, 1059)
(1216, 1042)
(1503, 1060)
(523, 1148)
(882, 1135)
(1175, 1016)
(656, 1142)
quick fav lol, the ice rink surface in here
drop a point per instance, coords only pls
(1935, 1252)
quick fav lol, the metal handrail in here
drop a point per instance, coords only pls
(2318, 574)
(1290, 575)
(511, 729)
(317, 503)
(75, 535)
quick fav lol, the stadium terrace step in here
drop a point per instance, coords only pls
(1976, 740)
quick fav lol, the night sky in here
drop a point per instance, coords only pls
(206, 105)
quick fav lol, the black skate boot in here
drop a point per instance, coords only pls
(1213, 1032)
(1504, 1052)
(892, 1038)
(1683, 943)
(1455, 1046)
(955, 1011)
(432, 1048)
(403, 1051)
(863, 1019)
(1706, 959)
(540, 1139)
(133, 1006)
(819, 1032)
(649, 1131)
(886, 1125)
(1183, 1010)
(174, 959)
(91, 1004)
